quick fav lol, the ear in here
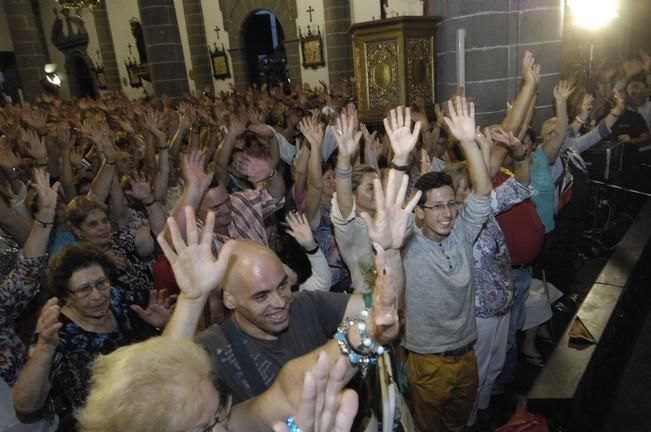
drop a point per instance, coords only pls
(420, 213)
(229, 300)
(77, 232)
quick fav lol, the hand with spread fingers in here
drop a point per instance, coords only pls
(158, 311)
(347, 135)
(388, 226)
(326, 405)
(196, 270)
(403, 139)
(461, 120)
(300, 229)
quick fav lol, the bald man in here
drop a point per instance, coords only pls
(270, 325)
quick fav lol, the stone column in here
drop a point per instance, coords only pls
(106, 48)
(495, 43)
(31, 54)
(339, 49)
(164, 50)
(201, 69)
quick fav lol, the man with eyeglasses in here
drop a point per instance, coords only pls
(440, 320)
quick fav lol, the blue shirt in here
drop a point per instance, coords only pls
(541, 181)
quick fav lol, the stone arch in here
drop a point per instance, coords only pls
(80, 55)
(236, 13)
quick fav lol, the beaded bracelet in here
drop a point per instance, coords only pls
(291, 424)
(364, 354)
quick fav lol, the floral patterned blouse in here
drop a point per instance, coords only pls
(77, 349)
(17, 290)
(492, 264)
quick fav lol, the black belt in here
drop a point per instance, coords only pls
(458, 352)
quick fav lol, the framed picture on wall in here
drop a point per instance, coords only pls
(219, 61)
(312, 49)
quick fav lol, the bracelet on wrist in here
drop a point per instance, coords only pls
(402, 168)
(344, 173)
(312, 251)
(291, 424)
(364, 354)
(43, 223)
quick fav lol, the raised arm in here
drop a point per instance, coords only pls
(313, 132)
(141, 191)
(347, 137)
(552, 146)
(197, 181)
(223, 155)
(321, 277)
(152, 121)
(33, 385)
(196, 270)
(461, 122)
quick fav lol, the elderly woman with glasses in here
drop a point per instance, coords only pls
(87, 317)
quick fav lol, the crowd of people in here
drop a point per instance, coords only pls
(257, 260)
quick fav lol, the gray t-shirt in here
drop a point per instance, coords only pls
(440, 295)
(314, 317)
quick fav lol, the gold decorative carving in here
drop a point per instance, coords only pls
(420, 67)
(382, 74)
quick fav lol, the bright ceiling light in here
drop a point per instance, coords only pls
(593, 14)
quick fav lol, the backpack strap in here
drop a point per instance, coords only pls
(243, 357)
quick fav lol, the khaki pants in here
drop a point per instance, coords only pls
(442, 389)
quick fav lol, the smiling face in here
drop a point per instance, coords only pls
(438, 223)
(95, 229)
(257, 288)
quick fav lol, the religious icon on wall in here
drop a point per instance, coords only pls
(219, 60)
(312, 48)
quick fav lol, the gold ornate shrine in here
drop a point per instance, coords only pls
(394, 63)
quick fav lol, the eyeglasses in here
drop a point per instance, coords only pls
(439, 207)
(222, 413)
(84, 291)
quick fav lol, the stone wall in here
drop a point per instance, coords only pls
(497, 34)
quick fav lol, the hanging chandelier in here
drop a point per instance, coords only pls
(79, 4)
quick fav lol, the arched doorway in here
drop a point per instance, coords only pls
(82, 83)
(264, 48)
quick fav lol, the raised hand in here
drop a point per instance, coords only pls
(312, 130)
(347, 135)
(196, 270)
(562, 91)
(461, 120)
(325, 406)
(65, 137)
(254, 168)
(530, 70)
(193, 170)
(140, 188)
(35, 119)
(402, 138)
(388, 226)
(47, 195)
(187, 115)
(300, 229)
(152, 121)
(48, 324)
(35, 146)
(586, 107)
(158, 311)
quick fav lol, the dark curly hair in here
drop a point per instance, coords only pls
(432, 180)
(73, 258)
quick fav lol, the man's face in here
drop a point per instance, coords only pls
(263, 296)
(438, 213)
(218, 200)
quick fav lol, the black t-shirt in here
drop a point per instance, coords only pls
(313, 319)
(629, 123)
